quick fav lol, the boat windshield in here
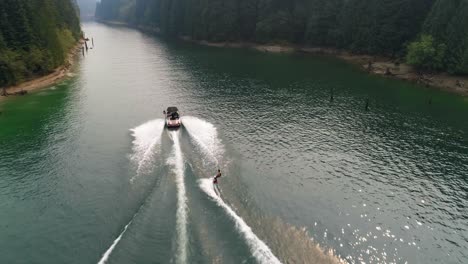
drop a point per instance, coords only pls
(174, 116)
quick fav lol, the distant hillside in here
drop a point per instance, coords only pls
(35, 36)
(87, 8)
(429, 34)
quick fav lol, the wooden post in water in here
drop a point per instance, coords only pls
(369, 66)
(367, 104)
(92, 41)
(82, 51)
(86, 45)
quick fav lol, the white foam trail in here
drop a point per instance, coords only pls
(147, 137)
(106, 255)
(177, 160)
(205, 135)
(259, 249)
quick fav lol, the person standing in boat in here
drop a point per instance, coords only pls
(218, 175)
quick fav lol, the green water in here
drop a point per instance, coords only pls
(86, 167)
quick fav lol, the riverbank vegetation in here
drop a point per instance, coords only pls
(406, 30)
(35, 37)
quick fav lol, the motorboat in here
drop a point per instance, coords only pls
(172, 118)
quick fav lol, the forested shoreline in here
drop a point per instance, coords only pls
(431, 35)
(35, 37)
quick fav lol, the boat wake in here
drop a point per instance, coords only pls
(146, 138)
(177, 161)
(108, 252)
(206, 137)
(259, 249)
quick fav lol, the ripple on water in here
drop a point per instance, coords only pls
(377, 168)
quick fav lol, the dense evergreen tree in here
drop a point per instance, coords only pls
(447, 23)
(322, 23)
(87, 8)
(380, 27)
(35, 35)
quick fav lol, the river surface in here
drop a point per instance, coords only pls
(88, 174)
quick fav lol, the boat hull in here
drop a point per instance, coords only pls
(172, 118)
(173, 124)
